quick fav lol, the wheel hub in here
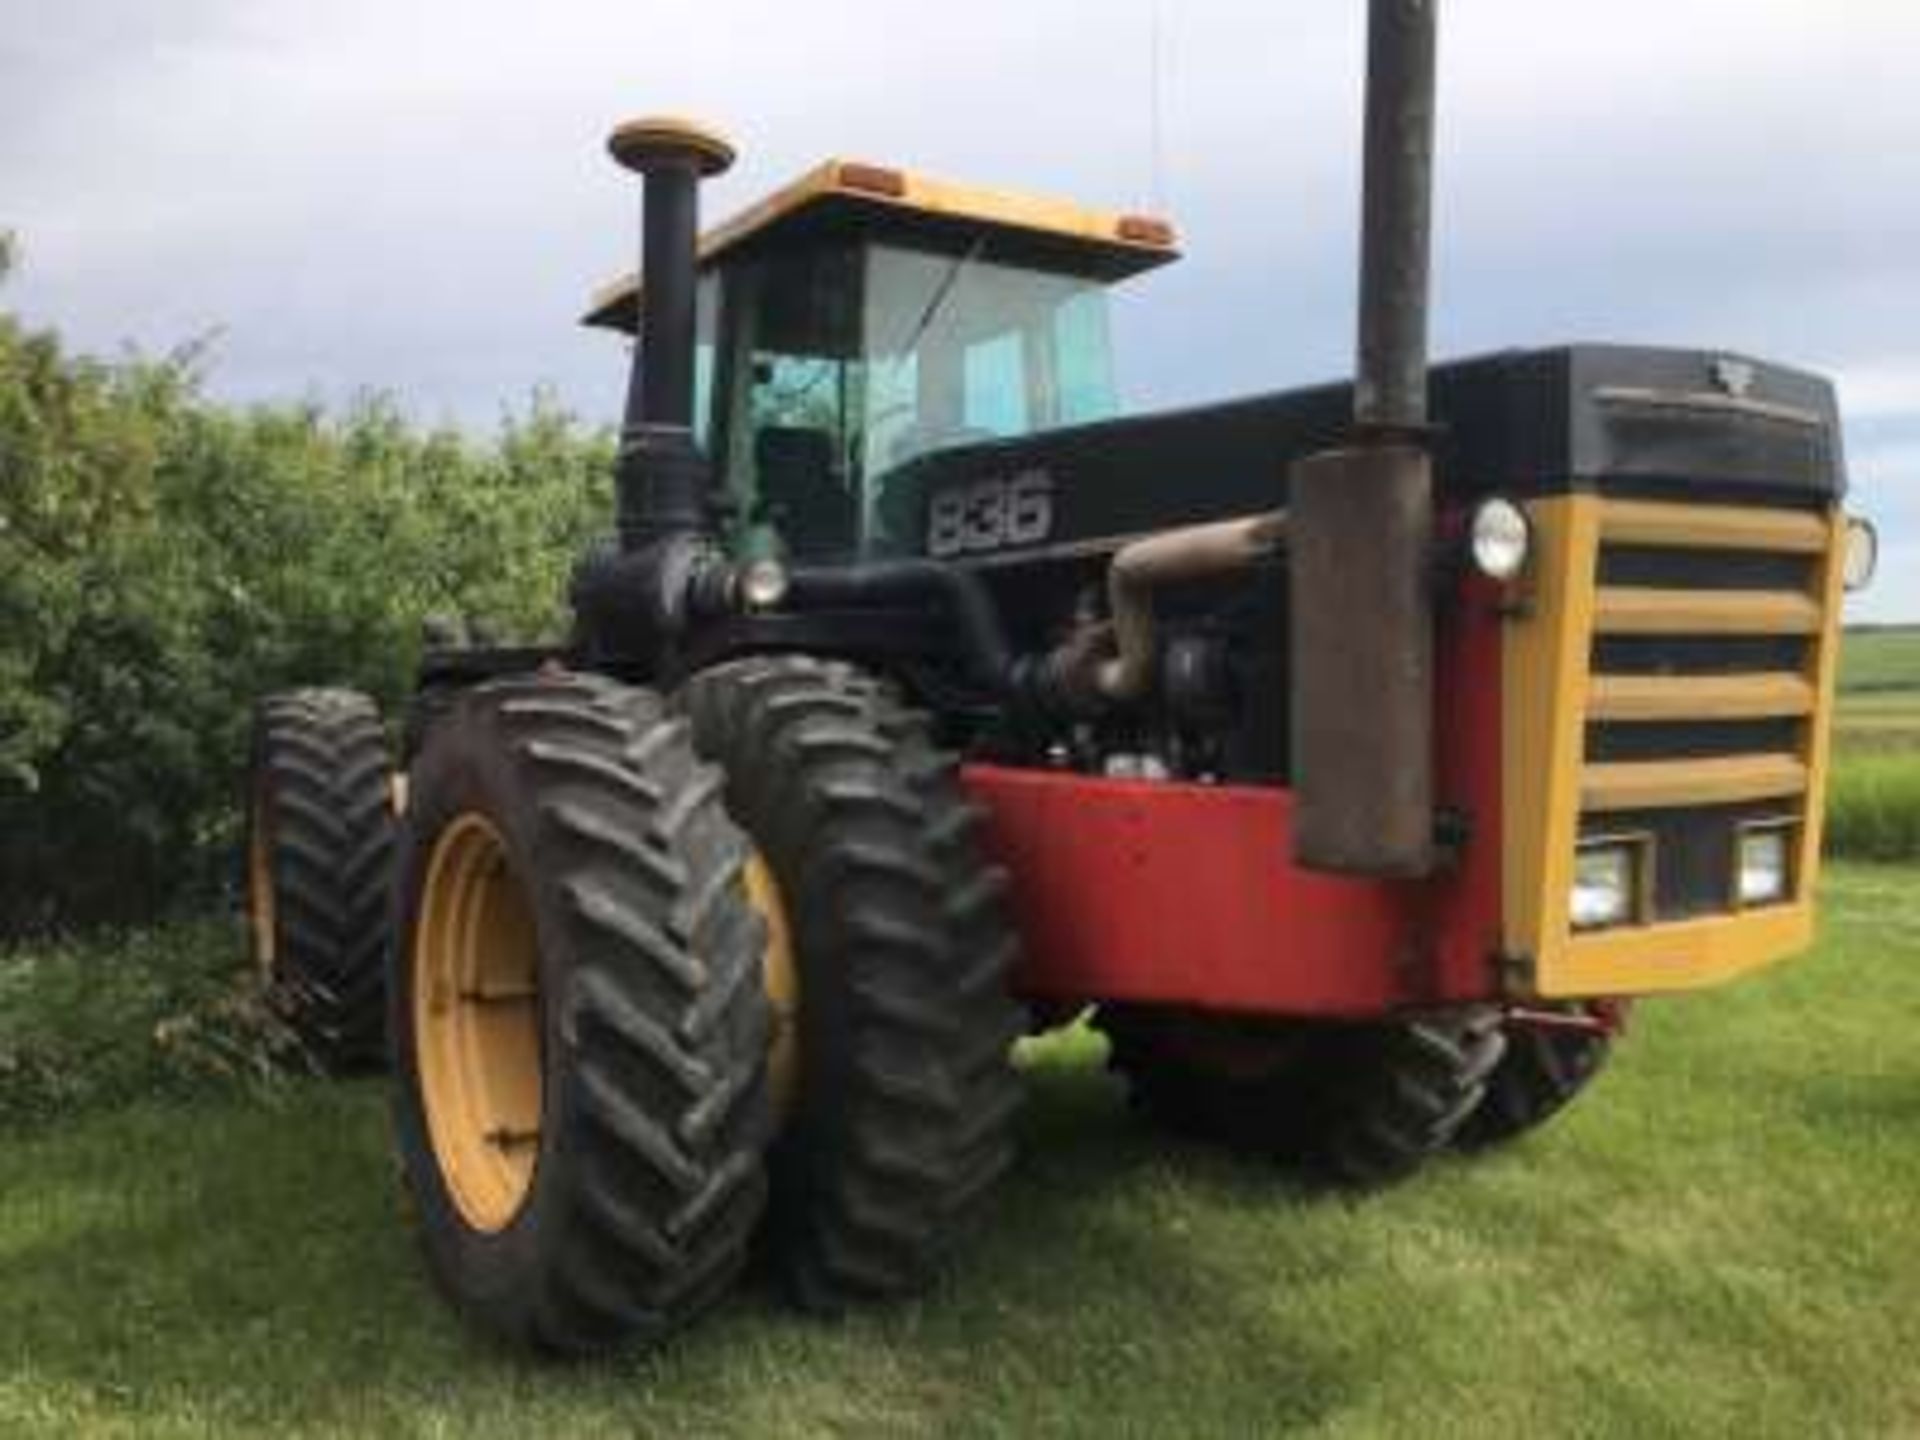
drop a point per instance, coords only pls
(262, 913)
(477, 1023)
(781, 976)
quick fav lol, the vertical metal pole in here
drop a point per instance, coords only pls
(1390, 388)
(670, 227)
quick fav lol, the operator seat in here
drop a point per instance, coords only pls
(801, 493)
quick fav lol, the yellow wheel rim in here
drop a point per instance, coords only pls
(476, 1023)
(262, 912)
(782, 979)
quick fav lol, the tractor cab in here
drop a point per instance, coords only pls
(862, 318)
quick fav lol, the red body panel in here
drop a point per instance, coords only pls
(1188, 894)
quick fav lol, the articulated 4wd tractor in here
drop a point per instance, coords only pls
(1350, 753)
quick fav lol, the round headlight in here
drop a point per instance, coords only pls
(763, 584)
(1863, 554)
(1501, 539)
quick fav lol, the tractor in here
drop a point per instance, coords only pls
(1350, 755)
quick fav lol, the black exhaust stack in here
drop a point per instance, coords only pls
(1360, 522)
(662, 478)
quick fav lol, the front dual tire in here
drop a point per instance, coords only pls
(621, 967)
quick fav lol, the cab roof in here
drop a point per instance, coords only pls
(852, 199)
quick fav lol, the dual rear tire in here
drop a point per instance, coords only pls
(319, 862)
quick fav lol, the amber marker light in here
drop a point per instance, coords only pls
(1144, 230)
(873, 180)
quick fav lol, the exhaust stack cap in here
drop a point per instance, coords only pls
(658, 142)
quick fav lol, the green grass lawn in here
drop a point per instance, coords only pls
(1723, 1238)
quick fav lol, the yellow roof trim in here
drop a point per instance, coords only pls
(1148, 240)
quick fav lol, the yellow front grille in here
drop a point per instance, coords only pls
(1669, 671)
(1714, 685)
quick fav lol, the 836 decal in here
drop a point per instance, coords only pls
(990, 514)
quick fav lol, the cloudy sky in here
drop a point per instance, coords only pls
(414, 196)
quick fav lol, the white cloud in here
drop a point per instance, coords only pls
(1881, 389)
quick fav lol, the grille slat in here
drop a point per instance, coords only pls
(1712, 527)
(1620, 611)
(1669, 784)
(1687, 697)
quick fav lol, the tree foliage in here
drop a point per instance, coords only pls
(164, 560)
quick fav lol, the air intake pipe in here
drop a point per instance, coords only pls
(661, 477)
(1360, 526)
(633, 601)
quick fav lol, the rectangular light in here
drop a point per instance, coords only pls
(1607, 884)
(1765, 862)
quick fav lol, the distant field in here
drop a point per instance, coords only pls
(1873, 811)
(1881, 659)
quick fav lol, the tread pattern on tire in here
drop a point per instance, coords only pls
(1543, 1069)
(320, 759)
(650, 1181)
(1352, 1105)
(908, 1099)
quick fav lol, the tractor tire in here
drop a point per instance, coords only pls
(1542, 1070)
(1355, 1106)
(319, 857)
(579, 1029)
(899, 1098)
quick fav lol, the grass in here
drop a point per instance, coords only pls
(1719, 1239)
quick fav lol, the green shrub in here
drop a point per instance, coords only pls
(116, 1017)
(1873, 807)
(164, 560)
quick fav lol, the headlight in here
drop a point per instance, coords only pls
(1862, 556)
(1501, 539)
(1766, 866)
(763, 584)
(1606, 885)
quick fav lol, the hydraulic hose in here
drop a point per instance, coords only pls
(958, 594)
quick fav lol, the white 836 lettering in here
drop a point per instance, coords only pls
(989, 514)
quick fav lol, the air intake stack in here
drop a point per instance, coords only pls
(1361, 517)
(662, 478)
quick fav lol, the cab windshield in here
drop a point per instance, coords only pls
(836, 366)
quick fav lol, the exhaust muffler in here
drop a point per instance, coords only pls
(1360, 523)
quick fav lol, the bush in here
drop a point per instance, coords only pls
(113, 1018)
(164, 560)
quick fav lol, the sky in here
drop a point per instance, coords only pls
(415, 197)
